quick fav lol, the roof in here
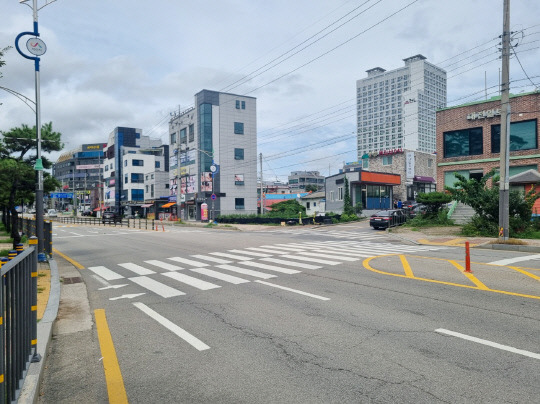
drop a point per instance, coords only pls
(315, 195)
(492, 99)
(526, 177)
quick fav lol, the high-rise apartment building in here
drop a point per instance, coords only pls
(396, 109)
(216, 142)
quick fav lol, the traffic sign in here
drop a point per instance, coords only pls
(213, 196)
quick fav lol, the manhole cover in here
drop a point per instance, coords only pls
(75, 279)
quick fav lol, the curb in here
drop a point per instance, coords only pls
(510, 247)
(30, 389)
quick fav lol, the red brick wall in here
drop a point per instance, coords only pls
(523, 108)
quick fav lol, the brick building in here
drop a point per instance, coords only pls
(468, 138)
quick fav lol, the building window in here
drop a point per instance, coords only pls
(522, 136)
(137, 178)
(106, 168)
(340, 193)
(237, 104)
(151, 190)
(158, 164)
(243, 105)
(466, 142)
(191, 133)
(173, 138)
(146, 188)
(183, 136)
(307, 205)
(137, 194)
(125, 179)
(332, 196)
(125, 163)
(239, 154)
(239, 203)
(429, 163)
(238, 128)
(387, 160)
(139, 163)
(238, 179)
(365, 164)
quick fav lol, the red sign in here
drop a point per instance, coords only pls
(204, 212)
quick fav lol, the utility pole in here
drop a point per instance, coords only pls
(262, 194)
(504, 183)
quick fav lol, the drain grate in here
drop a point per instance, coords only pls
(75, 279)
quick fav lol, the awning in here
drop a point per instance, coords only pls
(421, 178)
(168, 205)
(102, 208)
(147, 205)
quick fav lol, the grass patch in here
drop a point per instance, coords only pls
(510, 241)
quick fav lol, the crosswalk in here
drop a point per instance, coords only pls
(340, 234)
(178, 276)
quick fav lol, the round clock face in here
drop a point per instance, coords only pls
(213, 168)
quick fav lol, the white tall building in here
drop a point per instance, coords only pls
(217, 144)
(396, 109)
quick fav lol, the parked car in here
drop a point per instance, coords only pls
(417, 210)
(110, 217)
(387, 218)
(87, 212)
(52, 213)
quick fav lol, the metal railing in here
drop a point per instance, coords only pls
(18, 320)
(147, 224)
(28, 227)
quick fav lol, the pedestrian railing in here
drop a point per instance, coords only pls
(137, 223)
(18, 319)
(28, 227)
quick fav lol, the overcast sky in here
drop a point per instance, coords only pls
(131, 63)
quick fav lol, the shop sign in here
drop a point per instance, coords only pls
(409, 164)
(389, 152)
(489, 113)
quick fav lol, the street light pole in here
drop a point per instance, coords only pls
(36, 47)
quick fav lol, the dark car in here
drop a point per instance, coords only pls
(387, 218)
(110, 217)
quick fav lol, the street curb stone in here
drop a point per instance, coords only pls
(30, 389)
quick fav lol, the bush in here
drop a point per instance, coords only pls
(439, 218)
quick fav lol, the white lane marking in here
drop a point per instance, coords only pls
(244, 271)
(76, 234)
(218, 275)
(516, 259)
(292, 264)
(136, 269)
(310, 259)
(212, 259)
(112, 287)
(186, 336)
(191, 281)
(127, 296)
(280, 248)
(260, 265)
(105, 273)
(189, 262)
(156, 287)
(332, 256)
(293, 290)
(233, 256)
(164, 265)
(101, 280)
(250, 253)
(489, 343)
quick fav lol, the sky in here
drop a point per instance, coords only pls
(133, 63)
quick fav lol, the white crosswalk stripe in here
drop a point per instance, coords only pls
(218, 275)
(245, 271)
(164, 265)
(189, 262)
(320, 261)
(270, 267)
(291, 264)
(105, 273)
(212, 259)
(191, 281)
(255, 254)
(139, 270)
(330, 256)
(156, 287)
(233, 256)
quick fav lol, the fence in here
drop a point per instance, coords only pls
(28, 227)
(132, 223)
(18, 320)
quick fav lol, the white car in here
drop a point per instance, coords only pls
(52, 213)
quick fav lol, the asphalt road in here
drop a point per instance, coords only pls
(341, 314)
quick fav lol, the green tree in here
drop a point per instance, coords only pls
(17, 175)
(434, 201)
(287, 209)
(485, 201)
(2, 54)
(311, 188)
(347, 202)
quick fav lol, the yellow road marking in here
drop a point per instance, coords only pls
(369, 267)
(113, 375)
(471, 277)
(71, 260)
(406, 266)
(457, 242)
(526, 273)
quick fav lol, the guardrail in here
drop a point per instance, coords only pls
(18, 315)
(132, 223)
